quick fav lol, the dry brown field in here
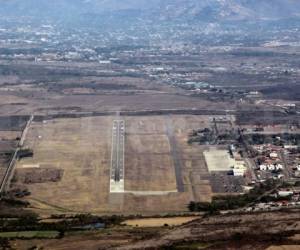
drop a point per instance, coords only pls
(159, 222)
(38, 101)
(81, 149)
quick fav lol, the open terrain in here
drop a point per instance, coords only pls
(280, 230)
(80, 150)
(149, 124)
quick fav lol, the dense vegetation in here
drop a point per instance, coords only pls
(61, 223)
(275, 139)
(235, 201)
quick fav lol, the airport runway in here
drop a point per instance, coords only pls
(176, 156)
(117, 156)
(117, 178)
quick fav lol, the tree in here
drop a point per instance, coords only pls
(192, 206)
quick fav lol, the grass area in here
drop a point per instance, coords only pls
(30, 234)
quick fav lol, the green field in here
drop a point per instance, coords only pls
(30, 234)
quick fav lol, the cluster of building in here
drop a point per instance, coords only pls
(271, 162)
(279, 157)
(273, 206)
(239, 167)
(269, 159)
(283, 197)
(271, 167)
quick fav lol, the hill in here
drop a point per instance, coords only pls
(205, 10)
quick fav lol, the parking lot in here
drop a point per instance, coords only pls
(221, 182)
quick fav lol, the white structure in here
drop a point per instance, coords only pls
(285, 193)
(290, 146)
(238, 172)
(263, 168)
(239, 168)
(279, 167)
(274, 155)
(271, 167)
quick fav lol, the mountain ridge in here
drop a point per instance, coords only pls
(206, 10)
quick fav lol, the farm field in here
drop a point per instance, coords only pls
(159, 222)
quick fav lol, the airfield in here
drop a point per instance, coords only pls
(113, 164)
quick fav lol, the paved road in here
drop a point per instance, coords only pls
(176, 156)
(25, 131)
(251, 165)
(117, 155)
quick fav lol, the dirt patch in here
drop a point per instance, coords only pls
(284, 247)
(236, 230)
(13, 123)
(159, 222)
(286, 91)
(38, 175)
